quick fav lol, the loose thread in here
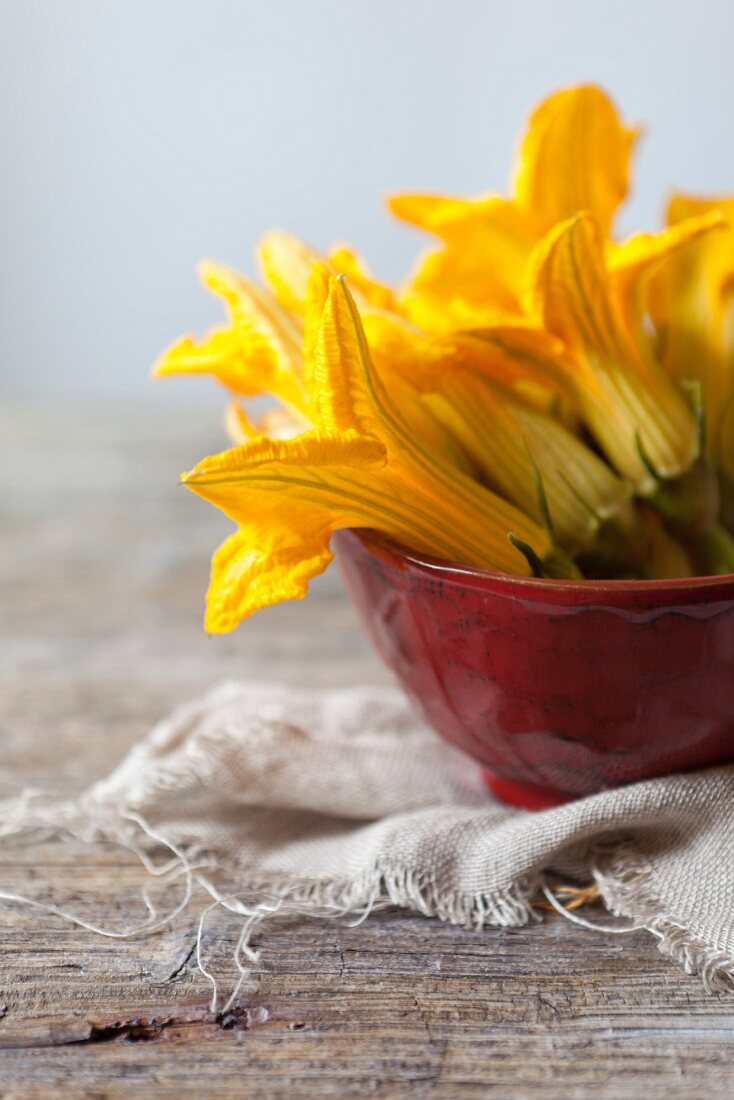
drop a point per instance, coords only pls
(582, 922)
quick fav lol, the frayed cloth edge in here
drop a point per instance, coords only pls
(624, 879)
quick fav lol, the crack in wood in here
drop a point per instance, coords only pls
(148, 1029)
(180, 967)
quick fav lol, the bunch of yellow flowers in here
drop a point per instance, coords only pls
(539, 398)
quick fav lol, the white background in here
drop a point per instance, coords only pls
(137, 136)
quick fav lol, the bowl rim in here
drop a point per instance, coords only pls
(375, 540)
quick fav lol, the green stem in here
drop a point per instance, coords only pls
(618, 550)
(556, 564)
(712, 551)
(726, 490)
(689, 503)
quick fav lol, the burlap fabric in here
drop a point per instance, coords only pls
(278, 802)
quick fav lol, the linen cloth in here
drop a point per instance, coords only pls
(339, 802)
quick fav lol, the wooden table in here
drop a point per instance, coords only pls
(103, 566)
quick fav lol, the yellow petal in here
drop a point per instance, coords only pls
(683, 206)
(268, 338)
(726, 441)
(460, 288)
(725, 456)
(280, 422)
(251, 307)
(248, 573)
(519, 356)
(624, 395)
(634, 262)
(479, 274)
(692, 305)
(396, 348)
(448, 216)
(633, 267)
(348, 394)
(285, 263)
(644, 252)
(365, 289)
(510, 440)
(260, 352)
(238, 424)
(574, 157)
(264, 458)
(218, 355)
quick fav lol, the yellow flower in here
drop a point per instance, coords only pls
(259, 352)
(527, 399)
(693, 309)
(270, 337)
(533, 460)
(544, 253)
(479, 385)
(591, 299)
(360, 466)
(285, 263)
(574, 157)
(638, 415)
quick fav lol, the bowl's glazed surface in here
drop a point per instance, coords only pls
(559, 689)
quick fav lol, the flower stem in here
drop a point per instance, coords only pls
(713, 551)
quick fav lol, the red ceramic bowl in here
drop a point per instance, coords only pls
(557, 688)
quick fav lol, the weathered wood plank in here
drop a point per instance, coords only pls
(103, 564)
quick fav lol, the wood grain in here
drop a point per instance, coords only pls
(103, 565)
